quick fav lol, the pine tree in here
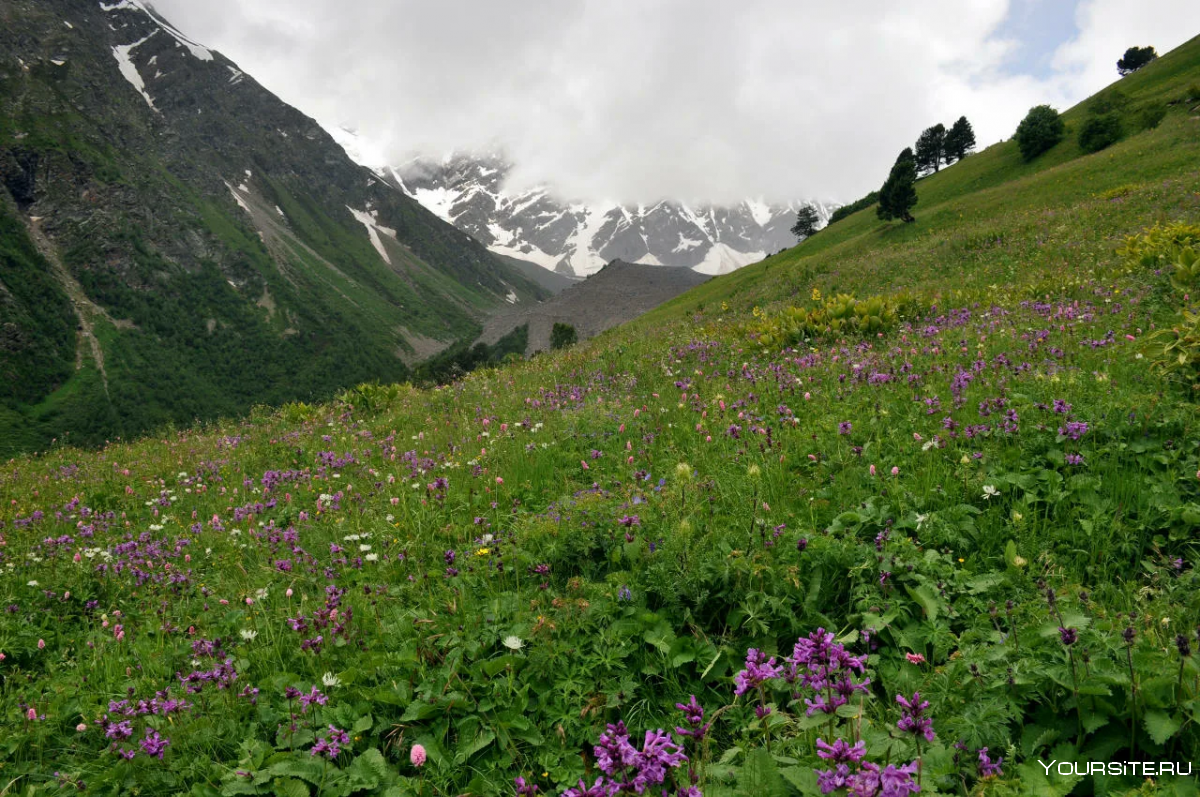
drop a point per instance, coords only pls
(898, 195)
(806, 222)
(959, 141)
(1135, 58)
(930, 148)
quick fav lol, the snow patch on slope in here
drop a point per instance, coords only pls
(197, 50)
(238, 197)
(369, 221)
(723, 259)
(760, 211)
(527, 251)
(438, 200)
(129, 70)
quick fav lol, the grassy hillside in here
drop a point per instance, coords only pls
(959, 534)
(994, 218)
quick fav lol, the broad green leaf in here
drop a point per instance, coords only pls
(1160, 725)
(290, 787)
(925, 598)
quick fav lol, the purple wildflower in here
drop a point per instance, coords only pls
(913, 720)
(759, 670)
(987, 767)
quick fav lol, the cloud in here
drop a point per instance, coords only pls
(695, 99)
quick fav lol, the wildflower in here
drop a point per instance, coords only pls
(313, 697)
(331, 680)
(248, 634)
(1069, 636)
(921, 520)
(523, 789)
(987, 767)
(154, 745)
(41, 644)
(513, 642)
(989, 491)
(844, 427)
(693, 714)
(915, 658)
(81, 727)
(913, 720)
(759, 669)
(895, 471)
(840, 752)
(417, 755)
(623, 594)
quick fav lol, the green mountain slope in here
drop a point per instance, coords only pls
(196, 246)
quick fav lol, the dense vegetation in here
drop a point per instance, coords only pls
(908, 503)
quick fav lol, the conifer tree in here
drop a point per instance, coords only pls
(959, 140)
(931, 147)
(806, 222)
(898, 195)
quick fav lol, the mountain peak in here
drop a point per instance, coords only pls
(579, 238)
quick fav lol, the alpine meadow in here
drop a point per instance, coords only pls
(912, 507)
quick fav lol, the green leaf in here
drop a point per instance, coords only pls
(306, 768)
(682, 651)
(471, 746)
(368, 770)
(419, 710)
(661, 637)
(804, 779)
(362, 724)
(760, 776)
(1161, 725)
(926, 600)
(290, 787)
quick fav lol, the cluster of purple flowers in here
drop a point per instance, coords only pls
(862, 778)
(827, 668)
(330, 744)
(913, 719)
(331, 616)
(1073, 430)
(759, 670)
(629, 770)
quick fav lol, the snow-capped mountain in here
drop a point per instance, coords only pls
(578, 239)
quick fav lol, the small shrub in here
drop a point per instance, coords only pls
(1039, 131)
(562, 336)
(1108, 102)
(1120, 192)
(1151, 116)
(1099, 132)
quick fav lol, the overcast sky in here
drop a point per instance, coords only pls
(718, 100)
